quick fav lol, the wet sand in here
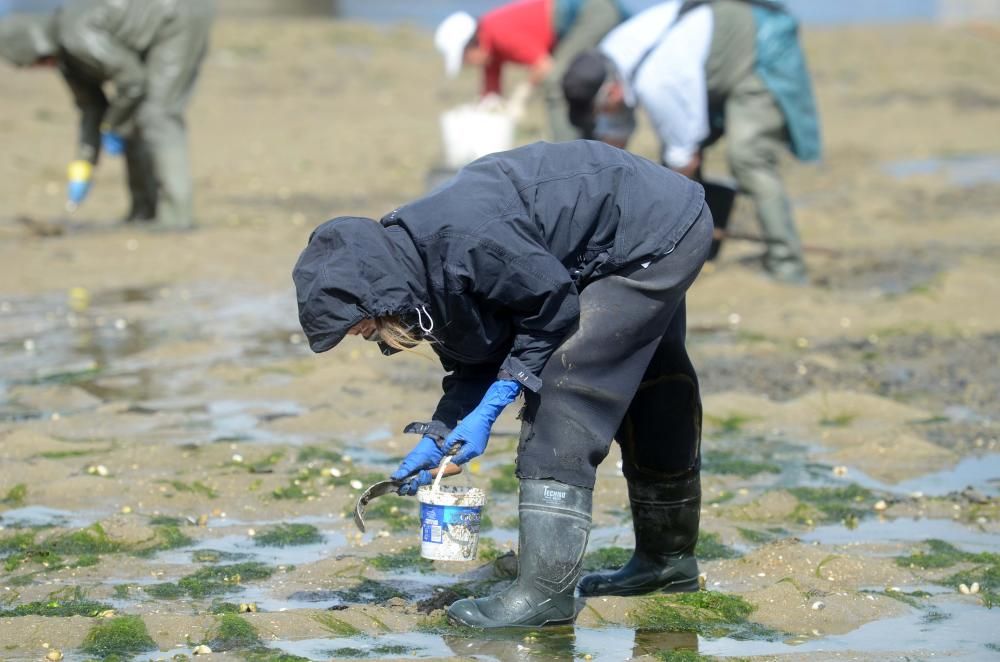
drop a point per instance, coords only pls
(158, 385)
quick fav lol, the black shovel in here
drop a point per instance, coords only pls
(720, 198)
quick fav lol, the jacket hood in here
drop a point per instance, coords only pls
(26, 39)
(353, 269)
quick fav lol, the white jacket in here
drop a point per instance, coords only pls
(670, 84)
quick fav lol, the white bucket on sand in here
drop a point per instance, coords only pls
(477, 129)
(449, 521)
(470, 132)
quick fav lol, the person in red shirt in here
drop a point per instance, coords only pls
(543, 35)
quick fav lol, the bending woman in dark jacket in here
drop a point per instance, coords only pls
(556, 270)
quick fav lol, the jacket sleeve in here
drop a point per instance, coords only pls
(526, 280)
(464, 387)
(97, 49)
(92, 104)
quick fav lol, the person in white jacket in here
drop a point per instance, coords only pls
(701, 69)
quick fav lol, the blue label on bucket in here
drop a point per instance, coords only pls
(438, 520)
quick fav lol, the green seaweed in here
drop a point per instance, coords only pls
(71, 376)
(86, 561)
(212, 580)
(485, 522)
(395, 511)
(488, 550)
(197, 487)
(288, 535)
(368, 591)
(829, 558)
(710, 547)
(348, 652)
(215, 556)
(721, 497)
(166, 520)
(841, 420)
(439, 624)
(721, 462)
(510, 522)
(832, 503)
(345, 478)
(233, 633)
(988, 577)
(345, 653)
(16, 495)
(165, 591)
(913, 599)
(19, 542)
(314, 453)
(61, 455)
(168, 536)
(294, 491)
(708, 613)
(729, 424)
(221, 607)
(941, 554)
(23, 580)
(91, 540)
(73, 607)
(265, 464)
(682, 655)
(507, 482)
(272, 655)
(754, 536)
(404, 558)
(123, 636)
(87, 544)
(606, 558)
(336, 626)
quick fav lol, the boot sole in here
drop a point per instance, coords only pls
(510, 626)
(681, 586)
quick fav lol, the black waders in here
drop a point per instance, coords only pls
(554, 527)
(665, 516)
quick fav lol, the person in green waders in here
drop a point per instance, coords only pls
(149, 53)
(557, 271)
(702, 69)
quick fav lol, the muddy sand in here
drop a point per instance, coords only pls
(177, 467)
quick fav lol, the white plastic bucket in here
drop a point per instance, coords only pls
(470, 132)
(449, 521)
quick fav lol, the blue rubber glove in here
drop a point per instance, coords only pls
(76, 191)
(425, 455)
(78, 179)
(473, 432)
(112, 143)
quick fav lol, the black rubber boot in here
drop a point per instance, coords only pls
(555, 525)
(665, 517)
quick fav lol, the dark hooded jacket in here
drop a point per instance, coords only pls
(491, 263)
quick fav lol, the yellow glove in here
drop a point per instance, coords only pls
(78, 176)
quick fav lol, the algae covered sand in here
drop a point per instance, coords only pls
(177, 469)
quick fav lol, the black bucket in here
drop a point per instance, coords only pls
(719, 197)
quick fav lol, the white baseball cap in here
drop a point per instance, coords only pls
(451, 38)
